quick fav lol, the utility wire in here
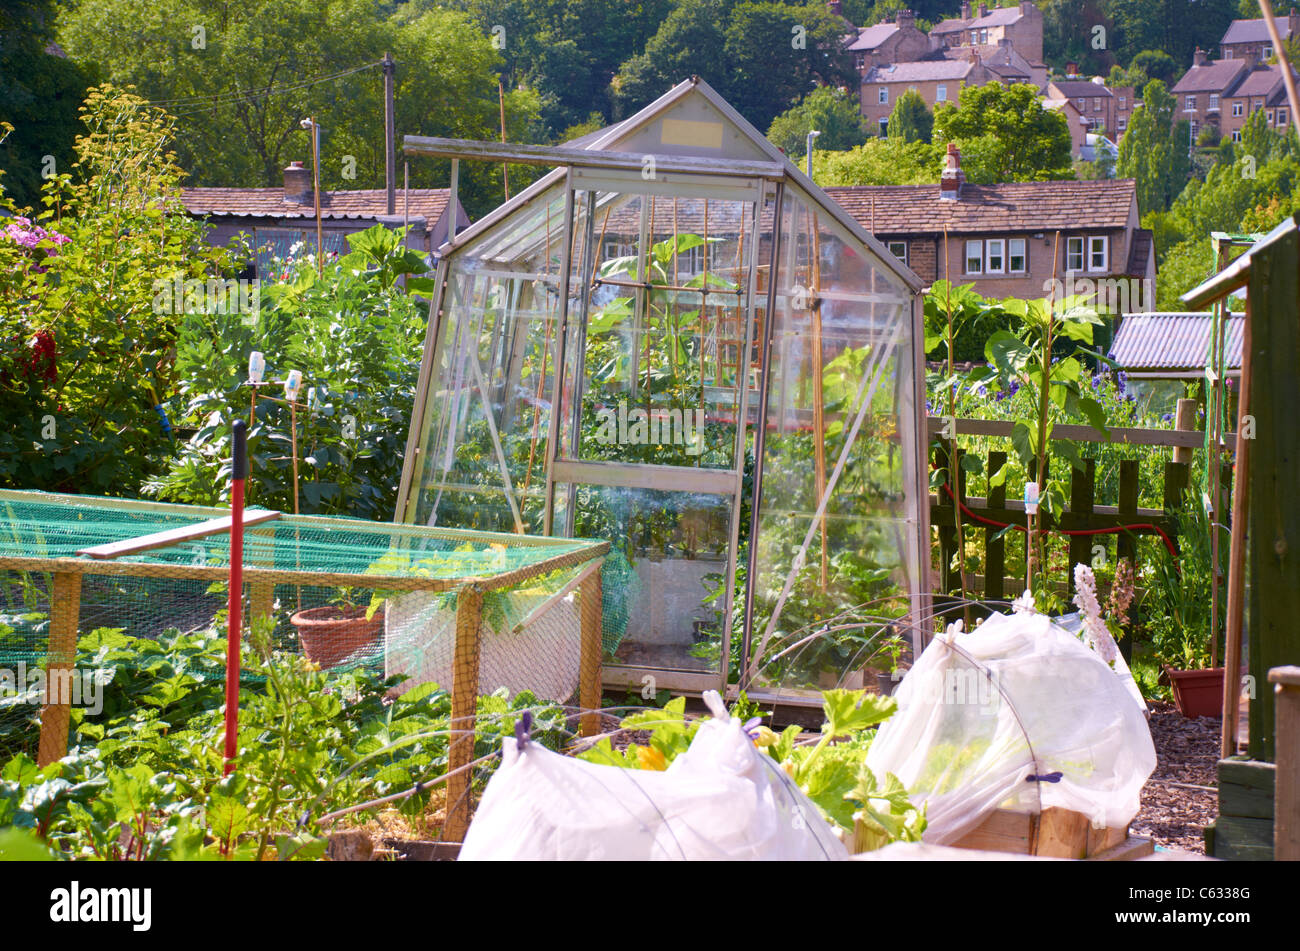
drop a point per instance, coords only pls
(225, 98)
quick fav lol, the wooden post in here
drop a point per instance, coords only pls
(60, 655)
(1082, 489)
(995, 551)
(947, 531)
(464, 707)
(1185, 419)
(1237, 561)
(1274, 508)
(589, 606)
(1125, 546)
(1286, 791)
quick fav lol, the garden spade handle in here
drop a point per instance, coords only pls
(239, 472)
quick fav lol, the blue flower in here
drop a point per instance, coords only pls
(1122, 377)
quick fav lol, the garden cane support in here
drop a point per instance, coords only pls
(65, 610)
(589, 599)
(235, 598)
(464, 706)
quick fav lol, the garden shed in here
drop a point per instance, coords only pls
(602, 348)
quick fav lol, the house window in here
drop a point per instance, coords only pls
(882, 95)
(941, 93)
(995, 256)
(1074, 254)
(984, 37)
(1236, 135)
(1238, 108)
(1281, 117)
(1123, 123)
(1227, 52)
(1269, 116)
(974, 37)
(1267, 54)
(974, 257)
(1214, 101)
(1096, 104)
(1081, 104)
(884, 126)
(899, 250)
(1097, 253)
(1016, 255)
(1123, 103)
(1189, 104)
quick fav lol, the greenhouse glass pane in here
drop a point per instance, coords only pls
(487, 420)
(839, 412)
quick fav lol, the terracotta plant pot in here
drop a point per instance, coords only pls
(1198, 693)
(331, 634)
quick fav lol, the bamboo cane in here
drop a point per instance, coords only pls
(1237, 556)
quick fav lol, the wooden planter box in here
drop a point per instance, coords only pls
(1055, 833)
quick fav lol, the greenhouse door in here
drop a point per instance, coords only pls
(659, 378)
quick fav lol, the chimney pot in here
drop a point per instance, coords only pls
(298, 184)
(905, 19)
(984, 10)
(965, 9)
(1198, 57)
(950, 181)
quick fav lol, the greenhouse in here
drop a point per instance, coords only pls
(601, 350)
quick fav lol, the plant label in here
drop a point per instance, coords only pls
(1031, 498)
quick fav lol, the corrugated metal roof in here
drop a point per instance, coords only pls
(1172, 341)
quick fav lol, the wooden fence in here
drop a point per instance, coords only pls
(1084, 512)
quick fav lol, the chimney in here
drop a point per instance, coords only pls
(1071, 70)
(984, 10)
(950, 181)
(1198, 57)
(965, 9)
(297, 184)
(835, 7)
(1251, 59)
(906, 19)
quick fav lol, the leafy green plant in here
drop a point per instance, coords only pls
(831, 771)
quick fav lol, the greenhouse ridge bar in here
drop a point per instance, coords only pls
(601, 352)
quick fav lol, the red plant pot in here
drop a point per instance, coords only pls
(330, 634)
(1198, 693)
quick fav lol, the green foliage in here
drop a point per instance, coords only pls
(144, 777)
(444, 85)
(89, 354)
(911, 119)
(356, 335)
(38, 97)
(1153, 150)
(1178, 600)
(833, 113)
(1175, 26)
(879, 161)
(746, 51)
(831, 772)
(1006, 134)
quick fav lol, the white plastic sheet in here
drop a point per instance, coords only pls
(982, 713)
(721, 799)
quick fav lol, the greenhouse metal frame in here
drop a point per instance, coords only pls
(707, 278)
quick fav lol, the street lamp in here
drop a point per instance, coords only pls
(811, 136)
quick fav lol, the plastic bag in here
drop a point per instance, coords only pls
(1017, 714)
(721, 799)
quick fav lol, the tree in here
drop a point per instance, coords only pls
(210, 64)
(911, 120)
(39, 96)
(1175, 26)
(1078, 31)
(1155, 64)
(880, 162)
(831, 112)
(1006, 134)
(762, 57)
(1153, 150)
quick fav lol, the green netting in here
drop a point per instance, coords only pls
(346, 593)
